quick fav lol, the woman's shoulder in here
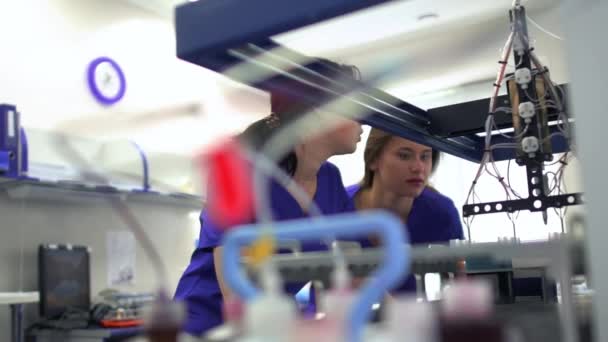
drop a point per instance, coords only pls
(435, 198)
(352, 190)
(330, 172)
(437, 213)
(328, 167)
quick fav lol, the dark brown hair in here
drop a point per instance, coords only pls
(374, 146)
(288, 102)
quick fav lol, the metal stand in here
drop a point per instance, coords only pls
(16, 301)
(16, 322)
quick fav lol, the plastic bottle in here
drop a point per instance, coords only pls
(271, 316)
(467, 313)
(410, 321)
(232, 328)
(163, 319)
(336, 304)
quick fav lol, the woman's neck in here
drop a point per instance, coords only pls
(306, 175)
(306, 170)
(378, 198)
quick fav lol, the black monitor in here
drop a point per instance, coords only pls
(63, 280)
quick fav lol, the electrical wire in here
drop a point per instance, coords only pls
(538, 26)
(506, 110)
(506, 51)
(513, 219)
(547, 79)
(467, 223)
(501, 71)
(509, 181)
(561, 212)
(512, 137)
(530, 98)
(556, 101)
(490, 123)
(270, 169)
(564, 127)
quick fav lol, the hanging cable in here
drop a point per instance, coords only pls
(538, 26)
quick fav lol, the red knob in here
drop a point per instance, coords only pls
(229, 195)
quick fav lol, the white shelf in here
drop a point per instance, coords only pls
(79, 192)
(8, 298)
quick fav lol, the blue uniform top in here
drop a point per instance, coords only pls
(198, 286)
(432, 219)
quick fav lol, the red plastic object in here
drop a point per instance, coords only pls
(234, 309)
(122, 323)
(229, 192)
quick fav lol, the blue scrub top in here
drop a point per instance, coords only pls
(432, 219)
(198, 286)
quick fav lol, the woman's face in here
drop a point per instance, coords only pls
(403, 167)
(343, 138)
(346, 135)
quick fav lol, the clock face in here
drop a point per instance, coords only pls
(106, 80)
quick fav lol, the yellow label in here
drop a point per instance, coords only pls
(260, 250)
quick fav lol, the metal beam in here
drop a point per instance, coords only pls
(208, 27)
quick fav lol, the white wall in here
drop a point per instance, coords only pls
(170, 108)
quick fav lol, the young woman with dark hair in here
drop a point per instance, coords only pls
(201, 286)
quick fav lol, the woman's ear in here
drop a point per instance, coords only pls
(374, 165)
(299, 149)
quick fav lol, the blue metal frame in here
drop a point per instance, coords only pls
(144, 162)
(206, 28)
(25, 164)
(5, 162)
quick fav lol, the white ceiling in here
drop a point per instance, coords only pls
(163, 8)
(397, 19)
(458, 46)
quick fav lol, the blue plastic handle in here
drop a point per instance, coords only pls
(393, 270)
(144, 162)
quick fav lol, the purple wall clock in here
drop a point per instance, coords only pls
(106, 80)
